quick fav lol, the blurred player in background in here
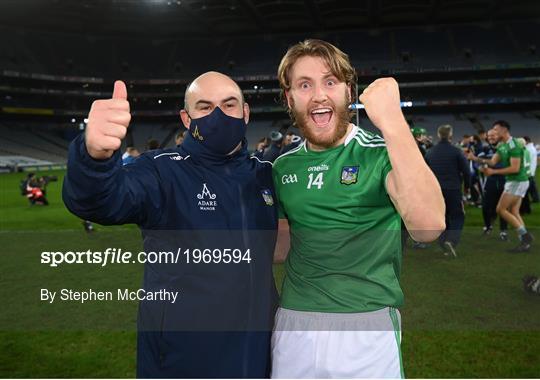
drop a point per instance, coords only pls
(34, 188)
(525, 207)
(533, 190)
(512, 156)
(420, 135)
(131, 154)
(492, 189)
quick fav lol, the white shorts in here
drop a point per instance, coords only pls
(516, 188)
(337, 345)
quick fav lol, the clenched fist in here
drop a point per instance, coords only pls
(108, 121)
(382, 103)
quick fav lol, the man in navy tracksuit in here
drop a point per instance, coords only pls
(207, 195)
(450, 167)
(493, 188)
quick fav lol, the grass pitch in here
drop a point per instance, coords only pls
(464, 317)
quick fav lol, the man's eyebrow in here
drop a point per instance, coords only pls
(229, 99)
(329, 75)
(199, 102)
(302, 78)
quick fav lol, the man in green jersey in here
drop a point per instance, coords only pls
(341, 194)
(511, 155)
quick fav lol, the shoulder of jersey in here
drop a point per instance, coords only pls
(261, 163)
(368, 139)
(299, 149)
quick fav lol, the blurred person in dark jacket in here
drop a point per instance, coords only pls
(290, 142)
(281, 143)
(152, 144)
(260, 148)
(450, 167)
(493, 187)
(179, 138)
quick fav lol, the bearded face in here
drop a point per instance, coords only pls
(310, 123)
(318, 102)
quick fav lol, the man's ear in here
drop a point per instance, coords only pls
(349, 92)
(246, 112)
(186, 120)
(288, 97)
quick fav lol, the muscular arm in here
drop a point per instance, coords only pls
(412, 186)
(515, 163)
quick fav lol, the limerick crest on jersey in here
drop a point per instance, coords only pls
(349, 175)
(267, 196)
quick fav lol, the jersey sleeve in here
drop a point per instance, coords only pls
(106, 192)
(385, 167)
(516, 151)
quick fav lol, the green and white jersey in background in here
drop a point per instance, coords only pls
(527, 162)
(509, 149)
(345, 251)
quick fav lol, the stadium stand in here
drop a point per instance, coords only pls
(466, 44)
(15, 141)
(447, 70)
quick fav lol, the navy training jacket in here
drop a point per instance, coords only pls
(187, 199)
(449, 165)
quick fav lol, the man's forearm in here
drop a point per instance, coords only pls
(283, 242)
(485, 161)
(505, 171)
(417, 191)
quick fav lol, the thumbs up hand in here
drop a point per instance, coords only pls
(108, 121)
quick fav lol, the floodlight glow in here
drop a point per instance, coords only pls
(358, 106)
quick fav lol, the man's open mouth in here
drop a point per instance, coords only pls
(321, 116)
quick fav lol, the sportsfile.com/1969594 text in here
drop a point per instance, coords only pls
(118, 256)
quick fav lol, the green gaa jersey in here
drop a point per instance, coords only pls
(345, 251)
(509, 149)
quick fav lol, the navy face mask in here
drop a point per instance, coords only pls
(218, 132)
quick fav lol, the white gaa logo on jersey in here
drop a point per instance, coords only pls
(206, 199)
(289, 178)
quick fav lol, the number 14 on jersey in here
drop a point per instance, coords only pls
(315, 181)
